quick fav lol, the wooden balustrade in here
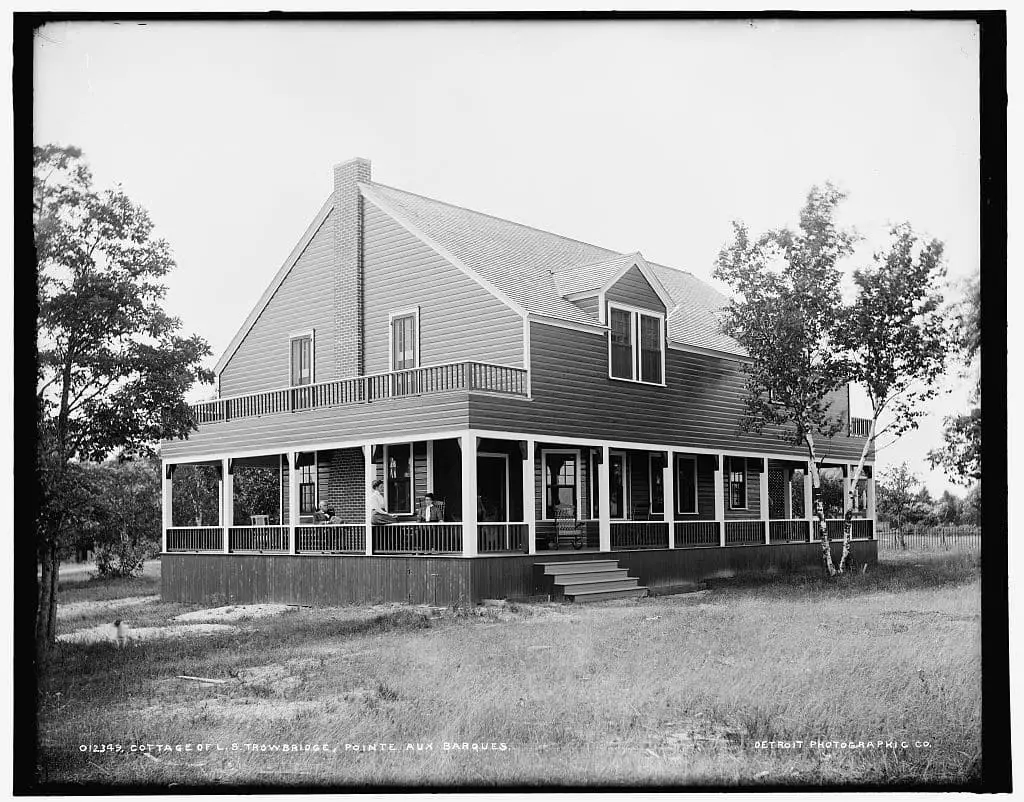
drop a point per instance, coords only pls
(639, 535)
(790, 530)
(342, 539)
(744, 533)
(860, 427)
(501, 537)
(470, 376)
(693, 534)
(418, 538)
(195, 538)
(258, 538)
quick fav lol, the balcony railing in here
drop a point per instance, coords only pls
(793, 530)
(469, 376)
(195, 538)
(860, 427)
(425, 538)
(693, 534)
(501, 537)
(335, 539)
(258, 538)
(862, 528)
(744, 533)
(639, 535)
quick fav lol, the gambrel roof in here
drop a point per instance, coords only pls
(535, 270)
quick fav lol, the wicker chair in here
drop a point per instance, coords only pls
(568, 530)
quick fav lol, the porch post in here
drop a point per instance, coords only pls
(720, 497)
(530, 496)
(294, 473)
(168, 499)
(668, 488)
(809, 501)
(469, 494)
(604, 501)
(227, 504)
(787, 495)
(765, 501)
(369, 474)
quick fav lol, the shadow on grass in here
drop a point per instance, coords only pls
(916, 571)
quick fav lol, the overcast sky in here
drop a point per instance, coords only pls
(648, 136)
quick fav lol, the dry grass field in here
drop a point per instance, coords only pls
(877, 676)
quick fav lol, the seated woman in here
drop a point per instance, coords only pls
(378, 510)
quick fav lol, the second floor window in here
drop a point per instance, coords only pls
(737, 483)
(404, 341)
(636, 345)
(302, 359)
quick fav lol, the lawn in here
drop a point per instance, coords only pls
(787, 680)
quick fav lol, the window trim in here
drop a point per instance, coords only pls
(746, 482)
(678, 484)
(412, 479)
(397, 314)
(300, 335)
(544, 479)
(634, 327)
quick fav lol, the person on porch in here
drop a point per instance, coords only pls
(430, 512)
(320, 515)
(378, 510)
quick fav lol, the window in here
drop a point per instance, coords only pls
(307, 484)
(737, 483)
(405, 340)
(636, 345)
(657, 483)
(398, 469)
(561, 481)
(301, 359)
(686, 485)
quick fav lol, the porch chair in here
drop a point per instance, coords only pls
(260, 520)
(418, 539)
(568, 530)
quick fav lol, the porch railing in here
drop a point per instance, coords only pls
(693, 534)
(862, 528)
(501, 537)
(860, 427)
(639, 535)
(792, 530)
(195, 538)
(471, 376)
(744, 533)
(425, 538)
(258, 538)
(343, 539)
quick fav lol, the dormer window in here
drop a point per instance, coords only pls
(636, 344)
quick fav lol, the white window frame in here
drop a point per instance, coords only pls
(627, 484)
(746, 484)
(634, 322)
(413, 312)
(412, 479)
(678, 483)
(298, 335)
(316, 483)
(544, 479)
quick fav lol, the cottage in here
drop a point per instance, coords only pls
(573, 411)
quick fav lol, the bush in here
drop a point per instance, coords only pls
(125, 517)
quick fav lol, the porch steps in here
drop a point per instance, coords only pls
(588, 580)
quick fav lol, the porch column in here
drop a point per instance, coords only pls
(787, 494)
(168, 503)
(720, 497)
(765, 501)
(369, 474)
(469, 495)
(809, 500)
(604, 501)
(668, 487)
(294, 473)
(530, 496)
(227, 504)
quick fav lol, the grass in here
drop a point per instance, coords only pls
(673, 690)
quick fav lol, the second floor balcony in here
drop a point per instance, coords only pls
(452, 377)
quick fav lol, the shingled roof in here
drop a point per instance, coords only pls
(535, 269)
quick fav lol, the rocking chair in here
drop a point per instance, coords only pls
(568, 530)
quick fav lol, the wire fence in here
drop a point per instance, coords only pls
(916, 537)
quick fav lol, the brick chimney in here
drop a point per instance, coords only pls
(348, 267)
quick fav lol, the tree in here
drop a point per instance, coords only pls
(112, 369)
(126, 515)
(196, 496)
(257, 491)
(960, 456)
(896, 495)
(806, 344)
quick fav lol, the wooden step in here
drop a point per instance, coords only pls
(604, 595)
(562, 579)
(586, 585)
(580, 566)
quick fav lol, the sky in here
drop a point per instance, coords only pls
(637, 136)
